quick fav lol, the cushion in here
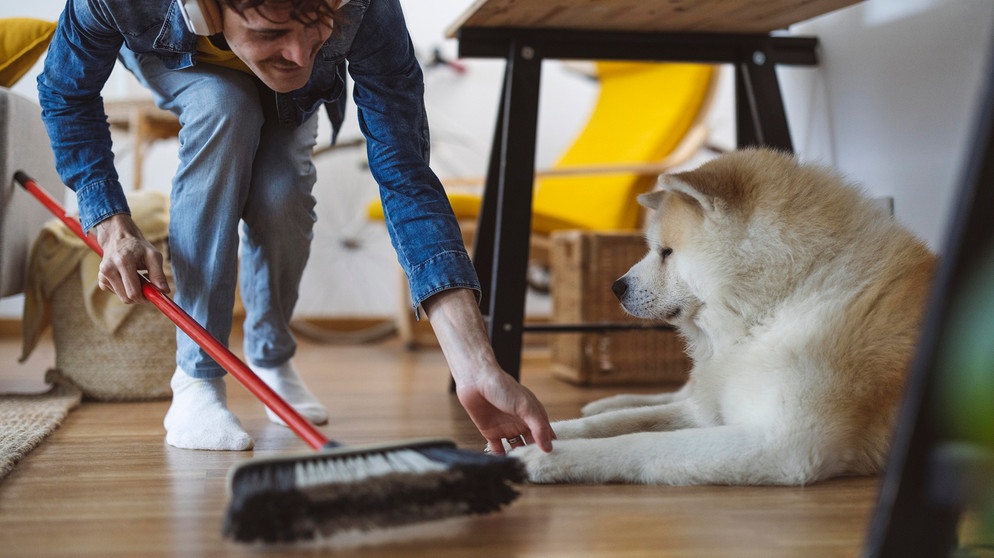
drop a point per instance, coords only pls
(22, 41)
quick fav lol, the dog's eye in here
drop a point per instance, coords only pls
(665, 252)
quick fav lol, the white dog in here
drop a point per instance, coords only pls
(800, 302)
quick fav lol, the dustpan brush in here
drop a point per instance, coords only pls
(288, 498)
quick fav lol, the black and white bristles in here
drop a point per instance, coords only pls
(290, 498)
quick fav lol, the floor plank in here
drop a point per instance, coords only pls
(105, 483)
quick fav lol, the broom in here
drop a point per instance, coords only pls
(335, 489)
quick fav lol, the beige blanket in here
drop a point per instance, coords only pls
(58, 252)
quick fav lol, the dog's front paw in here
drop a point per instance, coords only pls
(612, 403)
(545, 468)
(568, 429)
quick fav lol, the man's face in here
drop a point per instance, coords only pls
(280, 54)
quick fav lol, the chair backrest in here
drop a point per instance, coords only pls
(643, 112)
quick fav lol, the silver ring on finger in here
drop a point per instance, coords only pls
(516, 441)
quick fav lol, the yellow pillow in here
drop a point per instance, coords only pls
(22, 42)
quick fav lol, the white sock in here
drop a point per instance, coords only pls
(284, 380)
(198, 417)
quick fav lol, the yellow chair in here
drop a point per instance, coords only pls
(648, 118)
(643, 113)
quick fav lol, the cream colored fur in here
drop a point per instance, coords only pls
(800, 302)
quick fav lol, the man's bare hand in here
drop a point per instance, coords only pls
(126, 252)
(501, 408)
(498, 405)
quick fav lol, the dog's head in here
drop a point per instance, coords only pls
(654, 288)
(735, 235)
(710, 232)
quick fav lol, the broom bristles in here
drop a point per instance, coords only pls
(302, 497)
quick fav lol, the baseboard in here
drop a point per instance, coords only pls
(10, 328)
(344, 323)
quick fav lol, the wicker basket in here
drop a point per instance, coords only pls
(583, 267)
(134, 363)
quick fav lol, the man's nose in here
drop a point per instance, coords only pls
(297, 51)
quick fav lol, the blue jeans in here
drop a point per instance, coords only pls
(237, 168)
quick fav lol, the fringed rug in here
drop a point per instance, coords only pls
(25, 420)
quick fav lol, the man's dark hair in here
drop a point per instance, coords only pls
(308, 12)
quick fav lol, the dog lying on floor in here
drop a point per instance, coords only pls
(800, 302)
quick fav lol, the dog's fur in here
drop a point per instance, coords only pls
(800, 302)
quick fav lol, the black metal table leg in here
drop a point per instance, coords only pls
(760, 117)
(486, 223)
(505, 292)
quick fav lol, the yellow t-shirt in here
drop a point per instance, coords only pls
(211, 54)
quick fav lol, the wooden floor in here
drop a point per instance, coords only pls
(105, 484)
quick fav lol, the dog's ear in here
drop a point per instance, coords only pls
(651, 200)
(677, 185)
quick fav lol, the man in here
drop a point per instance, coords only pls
(246, 96)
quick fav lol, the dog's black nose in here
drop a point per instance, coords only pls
(619, 287)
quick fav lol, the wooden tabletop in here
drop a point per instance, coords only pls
(715, 16)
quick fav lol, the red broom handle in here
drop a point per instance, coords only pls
(300, 426)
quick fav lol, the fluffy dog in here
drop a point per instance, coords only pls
(800, 302)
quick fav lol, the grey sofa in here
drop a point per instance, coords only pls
(24, 146)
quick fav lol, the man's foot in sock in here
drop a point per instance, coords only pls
(284, 380)
(199, 417)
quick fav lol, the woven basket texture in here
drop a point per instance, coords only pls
(134, 363)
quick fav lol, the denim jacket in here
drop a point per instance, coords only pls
(388, 93)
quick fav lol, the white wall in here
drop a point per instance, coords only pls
(893, 100)
(890, 105)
